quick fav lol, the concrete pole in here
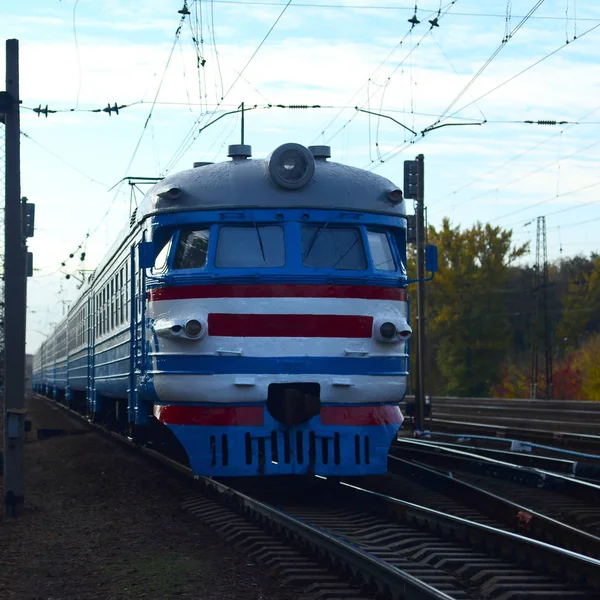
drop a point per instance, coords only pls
(14, 291)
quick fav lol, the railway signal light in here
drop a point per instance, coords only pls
(413, 180)
(6, 101)
(28, 218)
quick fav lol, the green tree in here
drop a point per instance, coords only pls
(469, 327)
(581, 312)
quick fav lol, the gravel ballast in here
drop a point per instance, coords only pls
(101, 523)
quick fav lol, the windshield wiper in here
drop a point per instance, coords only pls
(341, 258)
(312, 242)
(260, 242)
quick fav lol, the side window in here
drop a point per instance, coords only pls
(127, 291)
(335, 248)
(381, 253)
(249, 247)
(106, 300)
(160, 262)
(113, 302)
(122, 295)
(192, 249)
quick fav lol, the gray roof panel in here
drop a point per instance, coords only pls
(245, 183)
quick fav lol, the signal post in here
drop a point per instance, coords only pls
(414, 188)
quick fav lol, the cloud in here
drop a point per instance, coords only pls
(313, 56)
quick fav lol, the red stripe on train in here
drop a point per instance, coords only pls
(253, 416)
(303, 326)
(361, 415)
(277, 291)
(208, 415)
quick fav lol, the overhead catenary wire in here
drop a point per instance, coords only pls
(397, 150)
(191, 136)
(525, 176)
(555, 212)
(487, 63)
(519, 155)
(64, 161)
(118, 190)
(545, 201)
(77, 54)
(439, 13)
(525, 70)
(137, 146)
(391, 7)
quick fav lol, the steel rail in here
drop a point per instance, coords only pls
(568, 466)
(373, 572)
(568, 439)
(453, 458)
(525, 520)
(567, 563)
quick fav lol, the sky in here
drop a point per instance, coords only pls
(175, 75)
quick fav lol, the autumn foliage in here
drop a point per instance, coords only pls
(480, 318)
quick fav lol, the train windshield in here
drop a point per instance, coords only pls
(250, 247)
(381, 253)
(333, 248)
(192, 249)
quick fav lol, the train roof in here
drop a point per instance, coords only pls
(253, 183)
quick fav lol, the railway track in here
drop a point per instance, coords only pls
(568, 423)
(584, 467)
(566, 500)
(461, 558)
(351, 542)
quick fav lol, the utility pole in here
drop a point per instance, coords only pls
(14, 289)
(414, 188)
(540, 290)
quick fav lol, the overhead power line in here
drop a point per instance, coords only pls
(394, 8)
(487, 63)
(64, 161)
(191, 136)
(433, 19)
(535, 64)
(525, 175)
(394, 152)
(546, 200)
(523, 153)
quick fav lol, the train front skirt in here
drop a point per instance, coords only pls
(246, 440)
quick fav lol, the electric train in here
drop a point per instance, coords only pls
(254, 312)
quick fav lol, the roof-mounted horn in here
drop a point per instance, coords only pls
(239, 151)
(320, 152)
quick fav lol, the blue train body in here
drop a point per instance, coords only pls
(255, 308)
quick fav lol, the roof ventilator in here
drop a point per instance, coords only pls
(320, 152)
(239, 151)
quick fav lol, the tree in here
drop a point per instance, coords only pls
(581, 314)
(469, 327)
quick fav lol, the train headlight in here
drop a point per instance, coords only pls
(193, 328)
(181, 329)
(387, 330)
(291, 166)
(392, 331)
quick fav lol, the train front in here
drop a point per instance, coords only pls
(278, 329)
